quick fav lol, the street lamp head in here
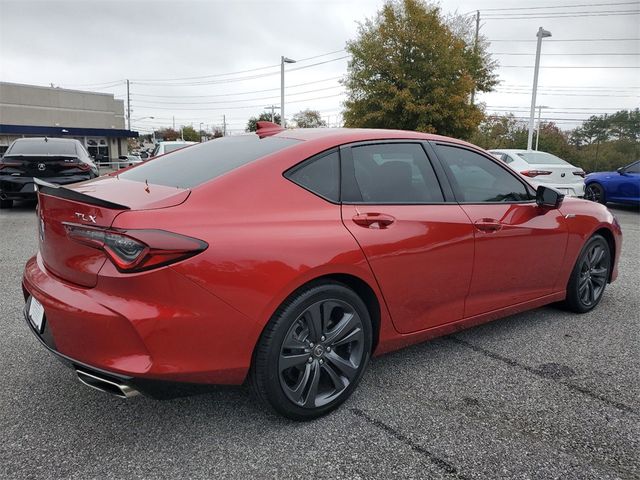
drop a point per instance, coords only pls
(542, 33)
(288, 60)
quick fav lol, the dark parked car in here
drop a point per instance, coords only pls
(622, 186)
(58, 160)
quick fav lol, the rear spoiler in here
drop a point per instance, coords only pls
(61, 192)
(267, 129)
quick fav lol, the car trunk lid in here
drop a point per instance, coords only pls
(95, 203)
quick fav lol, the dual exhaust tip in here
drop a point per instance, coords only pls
(104, 385)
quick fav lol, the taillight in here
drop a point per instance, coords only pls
(9, 164)
(137, 250)
(535, 173)
(79, 164)
(579, 173)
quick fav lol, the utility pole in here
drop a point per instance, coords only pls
(174, 122)
(272, 108)
(542, 33)
(224, 125)
(128, 107)
(475, 51)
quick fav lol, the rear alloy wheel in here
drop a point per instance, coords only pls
(590, 276)
(595, 193)
(313, 352)
(6, 203)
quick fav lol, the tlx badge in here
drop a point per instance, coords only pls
(86, 218)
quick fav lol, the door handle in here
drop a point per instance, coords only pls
(488, 225)
(373, 220)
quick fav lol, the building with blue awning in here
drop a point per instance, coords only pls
(97, 120)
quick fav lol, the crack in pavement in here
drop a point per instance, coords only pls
(543, 374)
(443, 465)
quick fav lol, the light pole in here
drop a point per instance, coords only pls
(200, 131)
(283, 60)
(540, 107)
(542, 33)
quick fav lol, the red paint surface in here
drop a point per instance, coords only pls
(434, 269)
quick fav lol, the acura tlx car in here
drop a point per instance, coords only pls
(288, 258)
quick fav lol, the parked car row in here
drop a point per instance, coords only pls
(64, 161)
(622, 186)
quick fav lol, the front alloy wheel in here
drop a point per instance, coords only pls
(590, 275)
(313, 352)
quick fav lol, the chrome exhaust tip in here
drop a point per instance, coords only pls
(104, 385)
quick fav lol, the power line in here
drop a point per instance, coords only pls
(237, 107)
(608, 54)
(594, 14)
(568, 40)
(239, 93)
(153, 102)
(560, 6)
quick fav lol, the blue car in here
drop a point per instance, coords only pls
(622, 186)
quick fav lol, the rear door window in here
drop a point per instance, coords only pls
(189, 167)
(395, 173)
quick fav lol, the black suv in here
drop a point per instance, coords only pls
(58, 160)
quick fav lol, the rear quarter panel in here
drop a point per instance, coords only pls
(266, 235)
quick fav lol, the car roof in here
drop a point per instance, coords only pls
(347, 135)
(176, 142)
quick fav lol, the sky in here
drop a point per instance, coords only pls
(197, 62)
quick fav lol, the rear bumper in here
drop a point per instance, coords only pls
(19, 188)
(171, 331)
(569, 189)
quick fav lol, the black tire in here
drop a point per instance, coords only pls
(595, 193)
(589, 276)
(6, 204)
(292, 357)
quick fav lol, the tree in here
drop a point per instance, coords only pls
(309, 119)
(410, 69)
(167, 134)
(263, 117)
(190, 134)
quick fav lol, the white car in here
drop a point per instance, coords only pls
(545, 169)
(128, 160)
(168, 147)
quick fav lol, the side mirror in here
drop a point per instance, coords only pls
(548, 197)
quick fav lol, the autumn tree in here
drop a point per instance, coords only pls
(309, 119)
(167, 134)
(413, 69)
(263, 117)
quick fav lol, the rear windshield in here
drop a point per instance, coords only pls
(189, 167)
(40, 147)
(541, 158)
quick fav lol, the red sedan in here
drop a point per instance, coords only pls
(288, 258)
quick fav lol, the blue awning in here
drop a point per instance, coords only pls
(65, 131)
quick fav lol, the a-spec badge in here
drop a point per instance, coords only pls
(86, 218)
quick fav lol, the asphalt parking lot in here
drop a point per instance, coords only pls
(544, 394)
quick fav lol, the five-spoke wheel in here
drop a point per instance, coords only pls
(590, 275)
(313, 352)
(321, 353)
